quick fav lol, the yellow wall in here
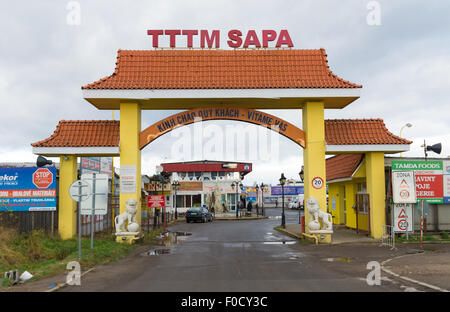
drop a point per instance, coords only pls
(376, 189)
(130, 154)
(314, 155)
(67, 219)
(371, 171)
(333, 194)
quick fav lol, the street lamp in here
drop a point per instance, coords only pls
(400, 135)
(175, 186)
(302, 174)
(257, 199)
(437, 148)
(282, 182)
(235, 185)
(262, 197)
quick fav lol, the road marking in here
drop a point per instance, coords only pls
(410, 279)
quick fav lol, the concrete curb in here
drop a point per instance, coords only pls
(407, 278)
(243, 218)
(59, 286)
(286, 232)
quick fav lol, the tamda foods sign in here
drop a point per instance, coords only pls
(428, 177)
(235, 38)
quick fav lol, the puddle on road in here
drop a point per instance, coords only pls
(156, 252)
(341, 259)
(237, 245)
(280, 243)
(289, 255)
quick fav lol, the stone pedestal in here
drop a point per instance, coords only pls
(128, 237)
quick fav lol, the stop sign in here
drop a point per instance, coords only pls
(42, 178)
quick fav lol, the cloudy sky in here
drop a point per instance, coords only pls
(403, 64)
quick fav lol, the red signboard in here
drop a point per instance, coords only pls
(42, 178)
(156, 201)
(429, 186)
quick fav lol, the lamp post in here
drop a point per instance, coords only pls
(257, 208)
(400, 135)
(302, 175)
(235, 185)
(262, 198)
(437, 148)
(282, 182)
(175, 186)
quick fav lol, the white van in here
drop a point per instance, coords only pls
(297, 202)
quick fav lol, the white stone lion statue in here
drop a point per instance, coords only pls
(317, 214)
(127, 218)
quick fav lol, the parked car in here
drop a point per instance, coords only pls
(198, 214)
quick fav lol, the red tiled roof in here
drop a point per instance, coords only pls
(77, 133)
(342, 166)
(359, 131)
(221, 69)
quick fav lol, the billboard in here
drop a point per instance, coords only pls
(446, 180)
(428, 177)
(101, 165)
(288, 190)
(28, 189)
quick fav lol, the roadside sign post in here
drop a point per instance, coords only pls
(79, 191)
(99, 203)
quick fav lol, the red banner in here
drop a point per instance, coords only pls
(429, 186)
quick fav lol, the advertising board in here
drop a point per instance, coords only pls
(428, 178)
(288, 190)
(28, 189)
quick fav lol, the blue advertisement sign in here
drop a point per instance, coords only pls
(28, 189)
(288, 190)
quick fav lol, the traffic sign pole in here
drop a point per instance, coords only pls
(93, 211)
(79, 223)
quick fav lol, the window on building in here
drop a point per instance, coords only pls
(188, 201)
(197, 200)
(182, 174)
(214, 175)
(197, 175)
(362, 203)
(180, 201)
(221, 174)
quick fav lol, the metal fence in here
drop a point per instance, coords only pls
(27, 221)
(388, 236)
(102, 223)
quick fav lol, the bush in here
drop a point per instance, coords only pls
(444, 235)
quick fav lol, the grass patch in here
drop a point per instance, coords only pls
(42, 254)
(426, 237)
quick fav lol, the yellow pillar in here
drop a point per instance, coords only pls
(314, 157)
(67, 214)
(376, 189)
(130, 154)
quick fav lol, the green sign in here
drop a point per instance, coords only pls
(412, 165)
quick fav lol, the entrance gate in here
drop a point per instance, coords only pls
(214, 84)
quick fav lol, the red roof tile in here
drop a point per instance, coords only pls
(359, 131)
(77, 133)
(221, 69)
(342, 166)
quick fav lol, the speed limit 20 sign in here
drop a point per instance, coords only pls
(317, 182)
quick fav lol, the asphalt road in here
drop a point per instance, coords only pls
(242, 256)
